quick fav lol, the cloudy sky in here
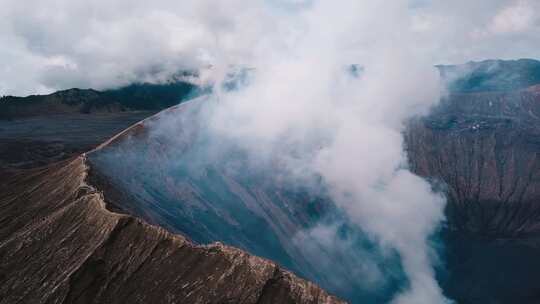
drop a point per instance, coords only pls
(58, 44)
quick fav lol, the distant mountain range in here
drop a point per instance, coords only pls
(135, 97)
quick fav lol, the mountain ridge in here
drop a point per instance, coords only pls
(87, 254)
(134, 97)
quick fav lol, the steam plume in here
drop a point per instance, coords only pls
(301, 109)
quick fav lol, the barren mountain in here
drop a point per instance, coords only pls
(484, 147)
(60, 244)
(141, 97)
(146, 215)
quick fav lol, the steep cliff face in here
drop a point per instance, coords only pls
(60, 244)
(484, 147)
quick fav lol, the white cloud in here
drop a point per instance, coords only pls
(517, 17)
(111, 43)
(461, 30)
(301, 109)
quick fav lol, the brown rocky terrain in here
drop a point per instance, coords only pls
(484, 147)
(60, 244)
(61, 240)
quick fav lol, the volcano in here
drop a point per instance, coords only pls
(156, 214)
(177, 183)
(62, 242)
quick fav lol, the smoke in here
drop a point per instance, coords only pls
(287, 105)
(297, 109)
(301, 112)
(344, 255)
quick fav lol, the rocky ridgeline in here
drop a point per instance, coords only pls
(60, 244)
